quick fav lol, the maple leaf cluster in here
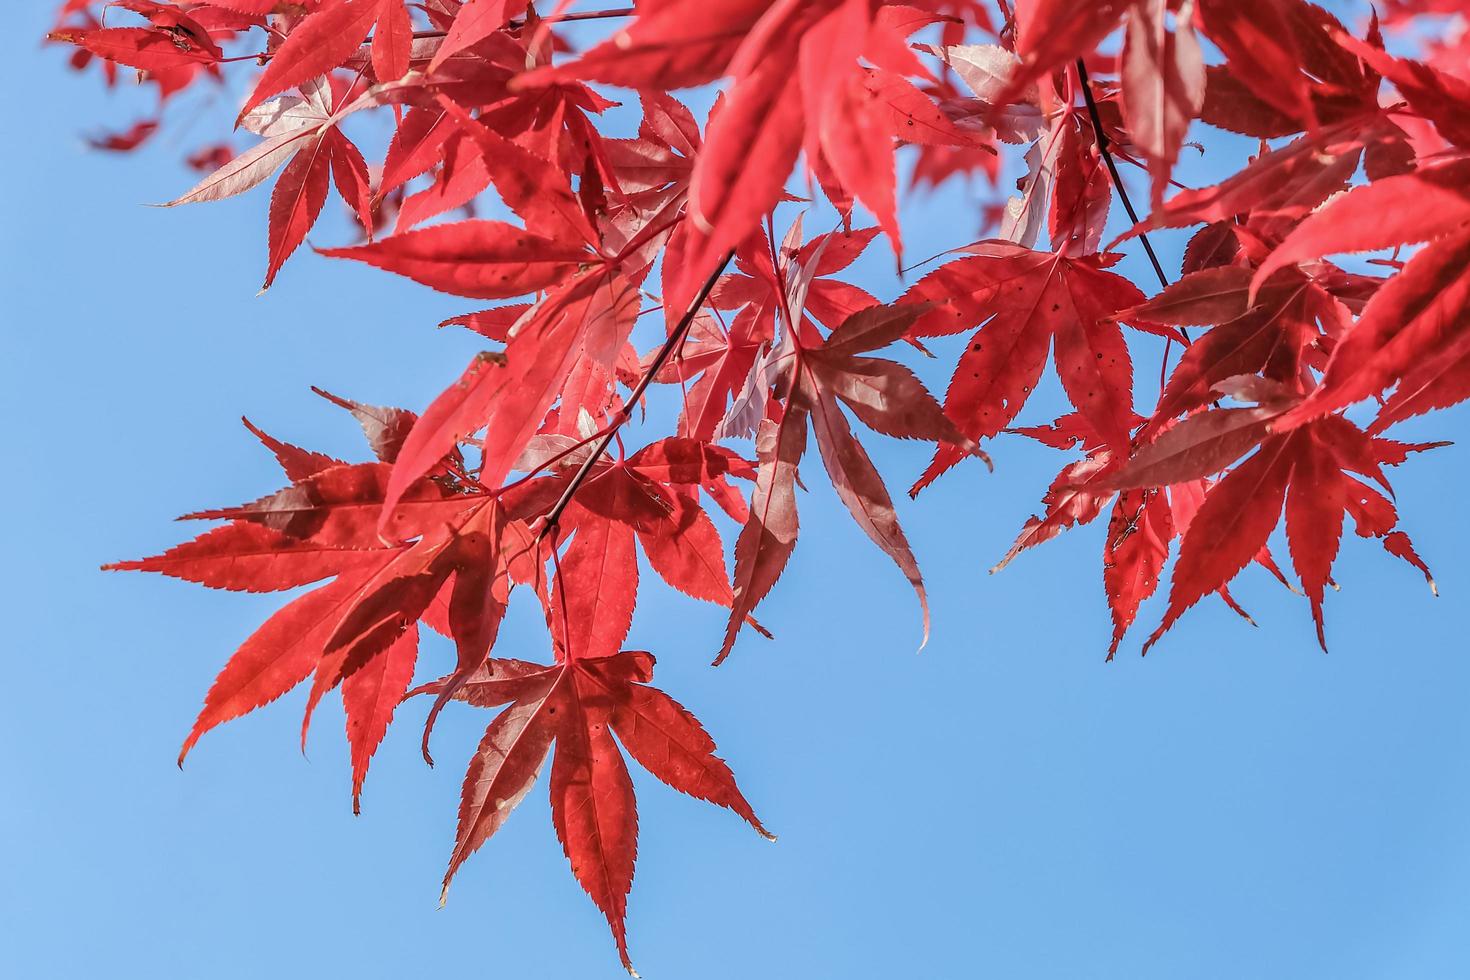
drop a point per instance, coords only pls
(1279, 409)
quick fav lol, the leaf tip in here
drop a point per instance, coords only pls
(186, 748)
(731, 631)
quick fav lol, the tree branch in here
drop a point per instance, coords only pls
(676, 339)
(1102, 147)
(519, 22)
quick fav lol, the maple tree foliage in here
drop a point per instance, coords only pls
(1284, 370)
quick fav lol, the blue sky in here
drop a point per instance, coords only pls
(1002, 805)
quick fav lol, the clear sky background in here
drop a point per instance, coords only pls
(1004, 804)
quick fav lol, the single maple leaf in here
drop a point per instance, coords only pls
(177, 43)
(578, 704)
(126, 141)
(1025, 303)
(357, 631)
(304, 131)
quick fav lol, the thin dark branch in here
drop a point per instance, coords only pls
(265, 56)
(1107, 155)
(582, 15)
(675, 341)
